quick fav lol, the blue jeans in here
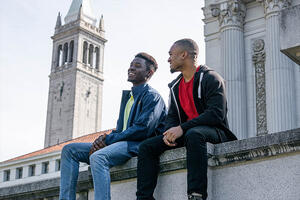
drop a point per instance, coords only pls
(100, 162)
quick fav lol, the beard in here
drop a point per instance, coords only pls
(175, 69)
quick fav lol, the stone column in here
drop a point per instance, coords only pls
(258, 59)
(231, 16)
(280, 84)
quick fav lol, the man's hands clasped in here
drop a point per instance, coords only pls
(171, 135)
(99, 143)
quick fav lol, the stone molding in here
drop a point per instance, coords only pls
(82, 24)
(231, 13)
(256, 148)
(274, 6)
(223, 154)
(258, 58)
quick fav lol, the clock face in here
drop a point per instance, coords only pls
(88, 90)
(61, 91)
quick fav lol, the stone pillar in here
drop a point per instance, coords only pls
(231, 16)
(258, 59)
(297, 84)
(280, 84)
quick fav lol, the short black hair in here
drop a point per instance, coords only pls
(190, 46)
(150, 61)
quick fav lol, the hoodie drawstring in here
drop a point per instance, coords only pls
(199, 87)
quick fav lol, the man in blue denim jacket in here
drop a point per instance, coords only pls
(141, 111)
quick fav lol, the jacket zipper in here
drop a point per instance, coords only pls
(199, 87)
(175, 99)
(173, 95)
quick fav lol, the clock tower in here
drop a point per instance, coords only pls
(76, 78)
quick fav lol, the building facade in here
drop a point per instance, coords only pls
(244, 42)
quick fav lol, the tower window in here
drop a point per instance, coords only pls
(31, 170)
(19, 173)
(6, 175)
(85, 48)
(97, 58)
(71, 51)
(59, 56)
(91, 51)
(45, 167)
(65, 59)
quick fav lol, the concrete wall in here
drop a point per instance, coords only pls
(265, 167)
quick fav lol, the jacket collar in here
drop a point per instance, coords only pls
(203, 69)
(176, 80)
(136, 90)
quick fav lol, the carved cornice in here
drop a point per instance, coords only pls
(258, 58)
(231, 13)
(254, 154)
(256, 148)
(273, 6)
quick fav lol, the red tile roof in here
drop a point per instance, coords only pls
(58, 147)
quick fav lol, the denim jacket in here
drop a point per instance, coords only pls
(146, 115)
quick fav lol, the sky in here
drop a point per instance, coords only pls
(131, 26)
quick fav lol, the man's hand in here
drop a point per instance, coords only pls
(171, 135)
(99, 143)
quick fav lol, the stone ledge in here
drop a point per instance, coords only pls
(219, 155)
(256, 147)
(222, 154)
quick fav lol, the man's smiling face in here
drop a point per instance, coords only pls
(138, 72)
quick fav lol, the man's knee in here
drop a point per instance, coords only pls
(68, 150)
(150, 146)
(144, 147)
(195, 134)
(98, 158)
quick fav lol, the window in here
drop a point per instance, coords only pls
(91, 52)
(57, 165)
(19, 173)
(6, 175)
(84, 58)
(65, 54)
(96, 58)
(59, 56)
(45, 167)
(31, 170)
(71, 51)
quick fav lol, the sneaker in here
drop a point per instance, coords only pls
(195, 196)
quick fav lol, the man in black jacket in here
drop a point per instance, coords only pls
(197, 114)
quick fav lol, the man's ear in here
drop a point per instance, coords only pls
(184, 54)
(150, 73)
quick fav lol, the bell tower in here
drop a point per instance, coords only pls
(76, 77)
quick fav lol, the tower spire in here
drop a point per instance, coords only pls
(80, 13)
(58, 21)
(101, 24)
(101, 27)
(86, 11)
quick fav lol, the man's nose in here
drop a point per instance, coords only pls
(131, 69)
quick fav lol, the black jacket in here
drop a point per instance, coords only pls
(210, 102)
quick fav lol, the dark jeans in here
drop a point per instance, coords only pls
(195, 142)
